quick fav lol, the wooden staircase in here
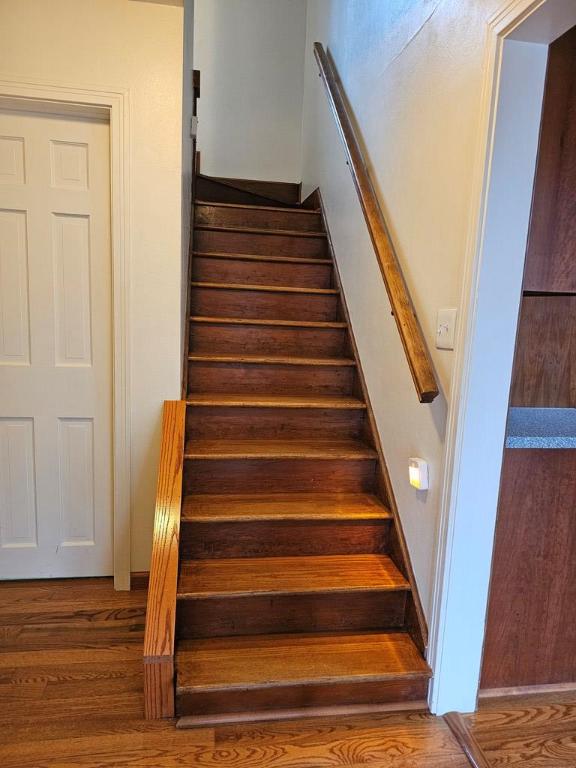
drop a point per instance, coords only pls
(295, 592)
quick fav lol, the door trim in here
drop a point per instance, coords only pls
(90, 101)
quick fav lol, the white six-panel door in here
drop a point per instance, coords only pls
(55, 347)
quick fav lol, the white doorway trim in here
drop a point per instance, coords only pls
(93, 101)
(516, 46)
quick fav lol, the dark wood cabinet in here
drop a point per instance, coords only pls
(531, 627)
(551, 254)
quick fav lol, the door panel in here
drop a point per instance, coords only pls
(55, 347)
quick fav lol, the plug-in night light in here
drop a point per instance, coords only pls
(418, 473)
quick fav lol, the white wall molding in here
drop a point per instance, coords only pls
(93, 101)
(477, 415)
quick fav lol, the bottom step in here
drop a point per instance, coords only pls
(288, 672)
(350, 710)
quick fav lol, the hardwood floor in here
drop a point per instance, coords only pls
(71, 697)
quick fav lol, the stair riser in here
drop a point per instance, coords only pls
(289, 697)
(282, 538)
(278, 475)
(242, 422)
(209, 190)
(271, 379)
(259, 243)
(267, 340)
(259, 615)
(253, 217)
(253, 272)
(263, 305)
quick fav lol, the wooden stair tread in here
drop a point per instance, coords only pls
(276, 401)
(287, 506)
(270, 359)
(259, 257)
(203, 448)
(242, 663)
(267, 288)
(260, 322)
(248, 576)
(260, 231)
(257, 207)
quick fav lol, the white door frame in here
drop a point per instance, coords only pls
(494, 263)
(89, 101)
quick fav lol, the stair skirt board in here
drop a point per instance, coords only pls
(295, 596)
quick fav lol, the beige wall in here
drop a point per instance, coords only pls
(413, 74)
(251, 56)
(136, 46)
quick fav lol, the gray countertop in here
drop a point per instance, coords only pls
(541, 428)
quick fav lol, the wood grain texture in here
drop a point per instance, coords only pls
(241, 577)
(531, 624)
(544, 373)
(259, 302)
(282, 538)
(253, 270)
(239, 421)
(268, 337)
(277, 449)
(159, 637)
(415, 347)
(275, 378)
(310, 612)
(287, 506)
(81, 705)
(265, 217)
(551, 253)
(255, 241)
(470, 746)
(281, 660)
(280, 476)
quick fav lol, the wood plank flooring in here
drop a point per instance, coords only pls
(71, 697)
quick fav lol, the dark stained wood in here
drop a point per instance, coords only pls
(544, 374)
(265, 217)
(282, 378)
(212, 189)
(159, 639)
(259, 241)
(279, 337)
(411, 334)
(279, 191)
(258, 270)
(280, 476)
(531, 624)
(551, 254)
(263, 302)
(316, 612)
(244, 421)
(282, 538)
(277, 409)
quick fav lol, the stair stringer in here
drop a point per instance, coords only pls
(415, 618)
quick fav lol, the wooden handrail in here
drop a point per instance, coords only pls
(411, 334)
(161, 607)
